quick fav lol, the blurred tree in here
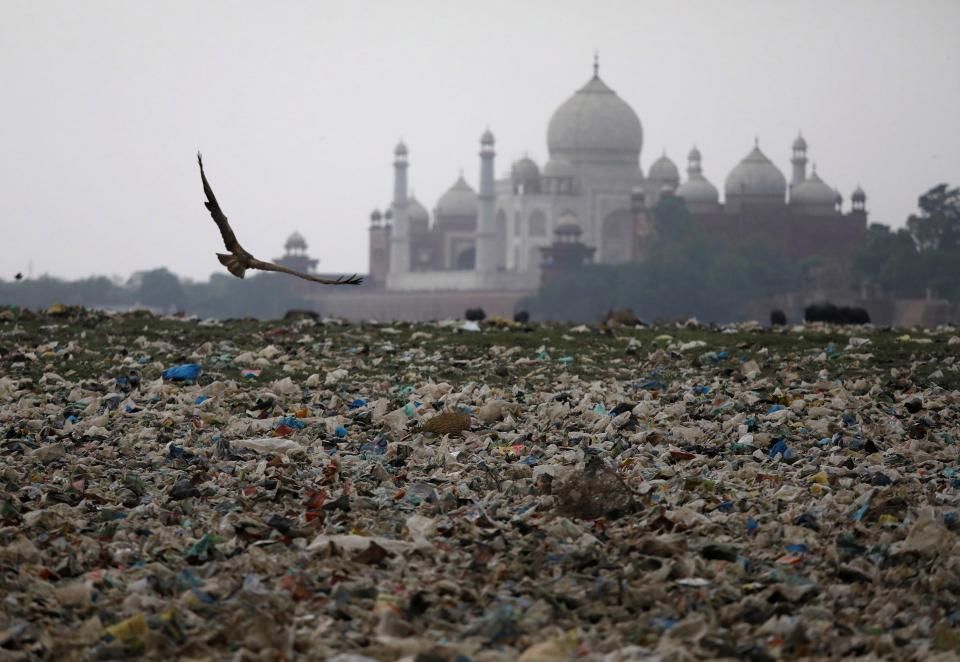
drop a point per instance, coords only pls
(889, 260)
(672, 224)
(684, 276)
(99, 290)
(937, 226)
(260, 295)
(922, 258)
(162, 289)
(45, 290)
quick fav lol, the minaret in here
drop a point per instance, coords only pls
(693, 163)
(379, 249)
(486, 233)
(400, 165)
(799, 160)
(859, 200)
(400, 234)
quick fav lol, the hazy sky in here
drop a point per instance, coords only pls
(297, 107)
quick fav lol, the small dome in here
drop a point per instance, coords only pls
(376, 216)
(664, 170)
(558, 168)
(568, 229)
(459, 200)
(595, 123)
(694, 154)
(859, 195)
(388, 215)
(296, 242)
(401, 149)
(486, 138)
(813, 191)
(697, 189)
(756, 176)
(799, 144)
(416, 211)
(525, 169)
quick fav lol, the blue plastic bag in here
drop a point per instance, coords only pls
(187, 372)
(780, 448)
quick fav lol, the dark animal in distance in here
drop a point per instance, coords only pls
(778, 318)
(521, 317)
(831, 314)
(622, 317)
(475, 314)
(854, 315)
(298, 314)
(238, 260)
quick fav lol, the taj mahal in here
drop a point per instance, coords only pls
(593, 188)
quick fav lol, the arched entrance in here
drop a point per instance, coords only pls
(466, 259)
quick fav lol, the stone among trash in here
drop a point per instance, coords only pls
(449, 422)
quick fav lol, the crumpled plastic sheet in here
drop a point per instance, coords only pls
(675, 492)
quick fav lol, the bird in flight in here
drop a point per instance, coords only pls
(238, 260)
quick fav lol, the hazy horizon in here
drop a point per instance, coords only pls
(297, 107)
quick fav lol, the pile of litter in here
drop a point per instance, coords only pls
(489, 491)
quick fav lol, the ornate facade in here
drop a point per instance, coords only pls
(492, 239)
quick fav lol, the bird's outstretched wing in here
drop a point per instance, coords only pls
(270, 266)
(229, 239)
(239, 260)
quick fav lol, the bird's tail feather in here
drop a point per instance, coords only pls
(232, 263)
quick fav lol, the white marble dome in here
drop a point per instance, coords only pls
(595, 125)
(813, 191)
(756, 176)
(698, 189)
(558, 168)
(664, 170)
(416, 212)
(525, 169)
(296, 242)
(459, 200)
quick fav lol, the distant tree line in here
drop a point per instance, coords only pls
(921, 258)
(687, 276)
(223, 296)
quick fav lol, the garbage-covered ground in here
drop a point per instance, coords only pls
(332, 491)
